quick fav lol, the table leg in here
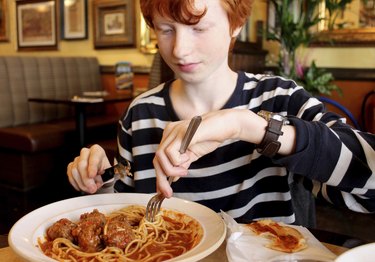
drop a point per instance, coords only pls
(81, 124)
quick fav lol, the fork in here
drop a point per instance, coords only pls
(154, 204)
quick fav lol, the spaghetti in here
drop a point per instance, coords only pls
(170, 235)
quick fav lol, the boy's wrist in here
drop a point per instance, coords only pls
(269, 146)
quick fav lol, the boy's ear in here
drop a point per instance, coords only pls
(236, 31)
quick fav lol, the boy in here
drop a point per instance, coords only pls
(262, 138)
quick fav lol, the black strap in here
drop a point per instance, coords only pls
(269, 145)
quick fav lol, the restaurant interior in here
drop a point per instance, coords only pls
(39, 138)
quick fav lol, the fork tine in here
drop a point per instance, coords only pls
(149, 208)
(153, 207)
(154, 211)
(158, 205)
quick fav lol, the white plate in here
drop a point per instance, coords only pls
(24, 234)
(364, 253)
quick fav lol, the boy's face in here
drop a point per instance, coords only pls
(195, 52)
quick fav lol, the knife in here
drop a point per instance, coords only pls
(114, 173)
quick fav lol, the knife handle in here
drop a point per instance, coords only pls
(117, 171)
(108, 174)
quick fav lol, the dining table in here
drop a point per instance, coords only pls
(337, 246)
(80, 102)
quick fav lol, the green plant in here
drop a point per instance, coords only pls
(335, 8)
(292, 30)
(316, 80)
(295, 20)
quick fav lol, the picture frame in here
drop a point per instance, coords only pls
(4, 27)
(114, 23)
(73, 19)
(360, 37)
(360, 30)
(36, 25)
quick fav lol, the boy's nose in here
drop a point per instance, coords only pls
(182, 44)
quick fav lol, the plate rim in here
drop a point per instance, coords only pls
(349, 253)
(86, 202)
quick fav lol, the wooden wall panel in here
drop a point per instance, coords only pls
(354, 92)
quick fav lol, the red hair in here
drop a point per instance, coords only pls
(184, 12)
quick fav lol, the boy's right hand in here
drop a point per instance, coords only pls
(84, 173)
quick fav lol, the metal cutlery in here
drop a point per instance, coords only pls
(114, 173)
(154, 204)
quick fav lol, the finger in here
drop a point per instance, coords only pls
(175, 179)
(171, 143)
(97, 161)
(70, 177)
(167, 166)
(162, 184)
(98, 181)
(80, 173)
(168, 129)
(79, 181)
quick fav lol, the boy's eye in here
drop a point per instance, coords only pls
(165, 30)
(199, 29)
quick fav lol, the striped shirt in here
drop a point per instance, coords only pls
(333, 161)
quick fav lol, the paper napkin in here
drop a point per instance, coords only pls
(244, 246)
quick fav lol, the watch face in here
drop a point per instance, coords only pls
(270, 115)
(278, 117)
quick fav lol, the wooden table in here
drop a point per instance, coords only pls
(7, 254)
(220, 254)
(335, 239)
(80, 103)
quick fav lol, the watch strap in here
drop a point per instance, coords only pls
(269, 145)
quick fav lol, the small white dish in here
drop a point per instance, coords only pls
(364, 253)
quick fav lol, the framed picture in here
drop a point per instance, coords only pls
(114, 23)
(3, 21)
(352, 27)
(73, 19)
(36, 25)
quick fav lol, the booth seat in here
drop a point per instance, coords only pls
(38, 139)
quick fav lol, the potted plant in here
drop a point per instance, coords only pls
(316, 80)
(295, 21)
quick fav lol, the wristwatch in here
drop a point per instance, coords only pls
(269, 145)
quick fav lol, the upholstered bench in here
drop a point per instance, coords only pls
(37, 139)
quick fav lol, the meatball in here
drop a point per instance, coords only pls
(94, 216)
(118, 232)
(88, 235)
(88, 232)
(62, 228)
